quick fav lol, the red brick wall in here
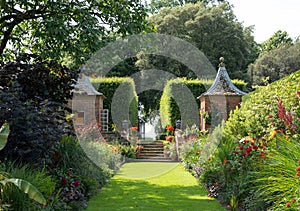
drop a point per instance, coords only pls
(90, 105)
(224, 104)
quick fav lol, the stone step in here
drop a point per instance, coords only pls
(152, 150)
(151, 154)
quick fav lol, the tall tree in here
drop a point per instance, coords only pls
(275, 64)
(156, 5)
(55, 29)
(278, 39)
(214, 30)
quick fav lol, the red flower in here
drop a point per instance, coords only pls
(236, 152)
(298, 92)
(170, 128)
(288, 204)
(255, 147)
(298, 174)
(270, 116)
(244, 154)
(299, 161)
(134, 128)
(293, 201)
(76, 183)
(64, 181)
(246, 141)
(271, 155)
(249, 149)
(241, 147)
(298, 168)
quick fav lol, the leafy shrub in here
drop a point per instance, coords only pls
(130, 151)
(252, 119)
(278, 177)
(128, 99)
(256, 168)
(33, 97)
(71, 150)
(106, 156)
(26, 179)
(73, 164)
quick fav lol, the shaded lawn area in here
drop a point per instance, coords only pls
(153, 186)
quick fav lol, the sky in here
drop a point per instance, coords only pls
(269, 16)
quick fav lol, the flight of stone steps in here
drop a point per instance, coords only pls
(153, 151)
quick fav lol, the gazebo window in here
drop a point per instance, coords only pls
(79, 118)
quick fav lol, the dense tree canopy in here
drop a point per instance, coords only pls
(214, 30)
(278, 39)
(275, 64)
(156, 5)
(73, 29)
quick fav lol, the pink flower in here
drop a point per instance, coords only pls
(76, 183)
(298, 92)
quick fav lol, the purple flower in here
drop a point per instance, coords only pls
(64, 181)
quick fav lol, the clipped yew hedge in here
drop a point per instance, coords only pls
(179, 100)
(120, 98)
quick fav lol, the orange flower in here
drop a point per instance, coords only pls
(288, 204)
(134, 128)
(170, 128)
(273, 134)
(170, 138)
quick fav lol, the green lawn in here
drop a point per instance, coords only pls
(153, 186)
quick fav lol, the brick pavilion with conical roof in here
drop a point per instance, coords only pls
(217, 102)
(87, 102)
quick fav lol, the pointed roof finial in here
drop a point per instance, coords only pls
(221, 62)
(222, 84)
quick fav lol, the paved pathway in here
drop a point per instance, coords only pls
(153, 186)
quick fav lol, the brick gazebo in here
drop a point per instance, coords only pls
(217, 102)
(87, 103)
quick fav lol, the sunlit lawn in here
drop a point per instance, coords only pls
(153, 186)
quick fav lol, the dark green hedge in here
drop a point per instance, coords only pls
(120, 98)
(179, 100)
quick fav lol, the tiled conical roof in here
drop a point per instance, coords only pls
(84, 87)
(222, 84)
